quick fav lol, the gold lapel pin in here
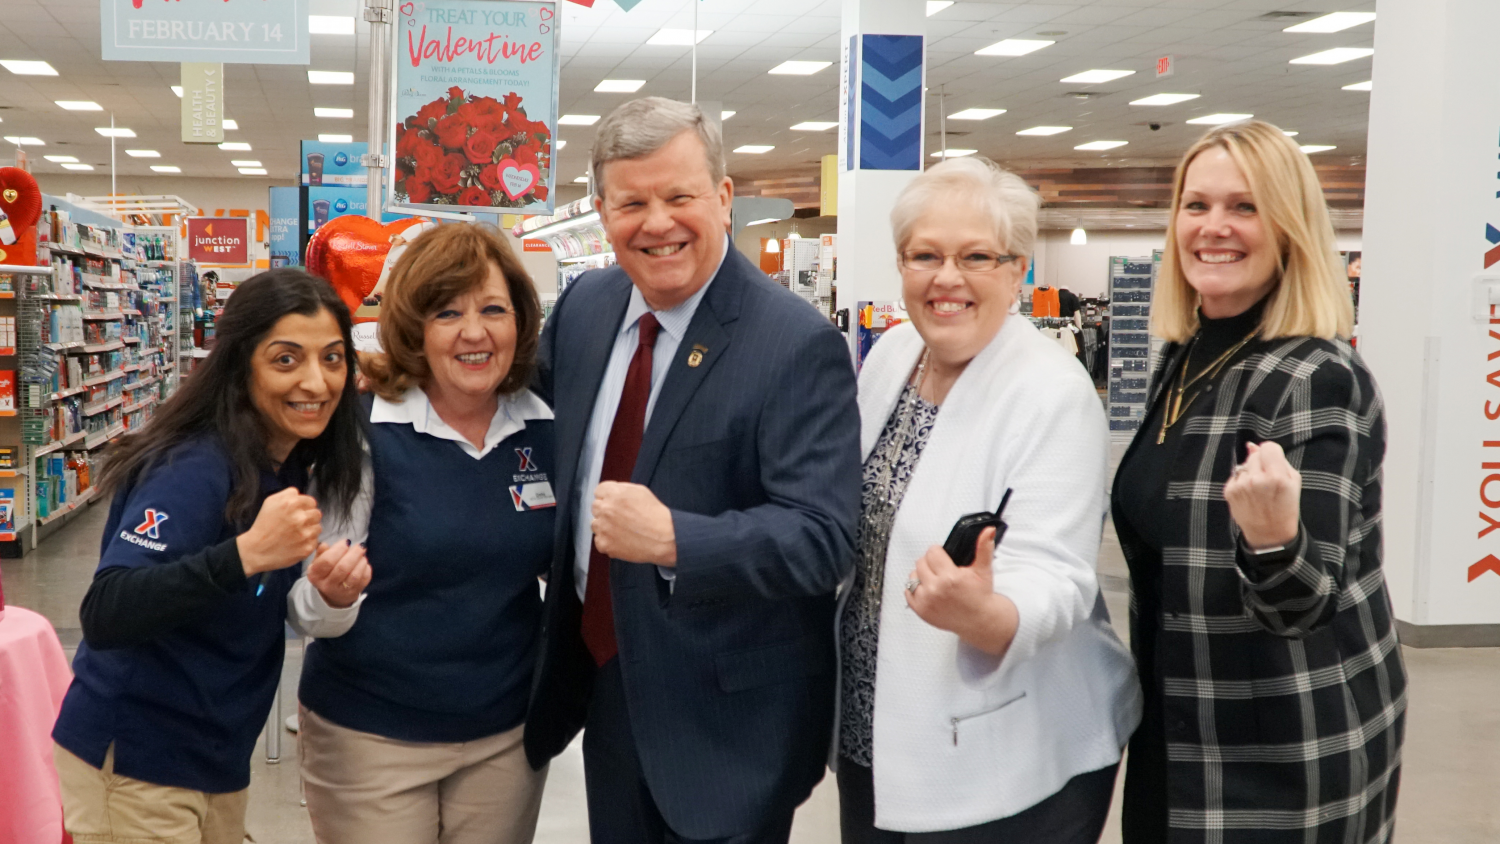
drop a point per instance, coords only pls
(696, 356)
(11, 194)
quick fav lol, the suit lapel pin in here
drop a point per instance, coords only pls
(696, 356)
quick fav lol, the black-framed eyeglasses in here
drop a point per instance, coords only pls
(971, 261)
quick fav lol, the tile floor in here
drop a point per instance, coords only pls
(1452, 766)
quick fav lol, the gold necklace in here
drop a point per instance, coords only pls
(1175, 408)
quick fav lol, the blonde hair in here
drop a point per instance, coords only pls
(1311, 298)
(1009, 203)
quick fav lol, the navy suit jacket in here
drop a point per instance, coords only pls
(729, 675)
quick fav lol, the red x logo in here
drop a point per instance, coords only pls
(151, 526)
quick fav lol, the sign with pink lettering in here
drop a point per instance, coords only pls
(474, 105)
(218, 31)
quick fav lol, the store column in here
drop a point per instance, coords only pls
(1430, 312)
(880, 140)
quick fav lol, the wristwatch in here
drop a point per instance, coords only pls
(1275, 554)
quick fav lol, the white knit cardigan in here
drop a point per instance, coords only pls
(961, 738)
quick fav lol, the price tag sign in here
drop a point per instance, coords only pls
(229, 31)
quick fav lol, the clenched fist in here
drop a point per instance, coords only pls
(285, 532)
(630, 524)
(1265, 497)
(340, 573)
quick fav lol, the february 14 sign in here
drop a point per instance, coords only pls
(475, 105)
(232, 31)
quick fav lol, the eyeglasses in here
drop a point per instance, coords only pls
(972, 261)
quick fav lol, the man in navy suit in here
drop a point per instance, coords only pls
(708, 484)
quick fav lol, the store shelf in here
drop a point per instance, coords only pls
(103, 316)
(58, 247)
(82, 499)
(26, 270)
(62, 394)
(7, 294)
(103, 379)
(130, 312)
(56, 297)
(102, 347)
(58, 445)
(130, 340)
(102, 438)
(61, 347)
(7, 351)
(7, 413)
(144, 382)
(132, 408)
(99, 407)
(12, 473)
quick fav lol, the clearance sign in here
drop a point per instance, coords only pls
(219, 240)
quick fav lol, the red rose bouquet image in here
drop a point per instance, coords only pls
(473, 151)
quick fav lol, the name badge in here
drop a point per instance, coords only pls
(533, 496)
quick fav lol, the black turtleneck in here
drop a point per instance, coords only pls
(1140, 493)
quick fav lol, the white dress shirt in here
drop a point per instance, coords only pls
(674, 324)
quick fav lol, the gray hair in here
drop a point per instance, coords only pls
(1009, 203)
(641, 127)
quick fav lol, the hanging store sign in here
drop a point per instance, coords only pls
(475, 106)
(202, 103)
(285, 248)
(233, 31)
(219, 240)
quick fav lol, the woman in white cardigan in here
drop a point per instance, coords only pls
(988, 703)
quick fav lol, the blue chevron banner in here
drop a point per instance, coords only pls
(890, 108)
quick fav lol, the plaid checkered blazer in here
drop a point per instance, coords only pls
(1283, 685)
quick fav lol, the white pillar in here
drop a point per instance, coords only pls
(1426, 325)
(881, 130)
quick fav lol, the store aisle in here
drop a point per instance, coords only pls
(1451, 763)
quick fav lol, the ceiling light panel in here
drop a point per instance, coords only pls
(28, 68)
(252, 171)
(561, 144)
(581, 180)
(246, 162)
(1336, 22)
(115, 132)
(935, 6)
(1100, 146)
(754, 149)
(330, 77)
(142, 153)
(1097, 77)
(177, 89)
(165, 168)
(815, 126)
(976, 114)
(76, 166)
(333, 112)
(234, 146)
(1164, 99)
(61, 159)
(725, 115)
(1219, 119)
(1290, 133)
(799, 68)
(954, 153)
(1312, 148)
(230, 125)
(1045, 130)
(24, 141)
(619, 86)
(324, 138)
(1338, 55)
(79, 105)
(578, 120)
(1359, 86)
(330, 25)
(677, 37)
(1013, 47)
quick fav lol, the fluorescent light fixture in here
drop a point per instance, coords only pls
(677, 37)
(581, 180)
(252, 171)
(115, 132)
(1098, 77)
(142, 153)
(1219, 119)
(578, 120)
(1164, 99)
(246, 162)
(325, 138)
(230, 125)
(177, 89)
(761, 221)
(236, 146)
(79, 105)
(1338, 55)
(935, 6)
(28, 68)
(976, 114)
(1100, 146)
(330, 25)
(561, 143)
(799, 68)
(1359, 86)
(1079, 238)
(725, 115)
(1335, 22)
(61, 159)
(815, 126)
(1312, 148)
(954, 153)
(1045, 130)
(1290, 133)
(76, 166)
(754, 149)
(619, 86)
(330, 77)
(1013, 47)
(24, 141)
(333, 112)
(166, 168)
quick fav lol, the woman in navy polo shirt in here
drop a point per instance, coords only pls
(183, 623)
(412, 721)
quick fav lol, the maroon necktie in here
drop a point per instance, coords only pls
(619, 462)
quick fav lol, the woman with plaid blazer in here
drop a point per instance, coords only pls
(1248, 508)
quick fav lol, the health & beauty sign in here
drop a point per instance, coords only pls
(475, 105)
(228, 31)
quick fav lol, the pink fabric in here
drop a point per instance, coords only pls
(34, 675)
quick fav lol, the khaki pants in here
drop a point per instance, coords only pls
(102, 807)
(364, 788)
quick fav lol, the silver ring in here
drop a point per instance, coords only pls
(912, 584)
(1237, 471)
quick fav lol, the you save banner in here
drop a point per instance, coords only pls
(475, 105)
(228, 31)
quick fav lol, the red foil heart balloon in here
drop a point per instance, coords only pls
(21, 200)
(349, 252)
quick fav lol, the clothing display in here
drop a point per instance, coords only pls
(1068, 303)
(1045, 302)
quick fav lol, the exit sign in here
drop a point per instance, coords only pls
(1166, 66)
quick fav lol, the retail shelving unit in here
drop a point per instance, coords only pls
(576, 236)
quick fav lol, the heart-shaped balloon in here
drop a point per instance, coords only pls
(21, 200)
(516, 179)
(349, 252)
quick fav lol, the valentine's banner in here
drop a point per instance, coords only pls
(227, 31)
(475, 105)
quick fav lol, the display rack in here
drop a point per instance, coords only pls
(576, 236)
(1131, 282)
